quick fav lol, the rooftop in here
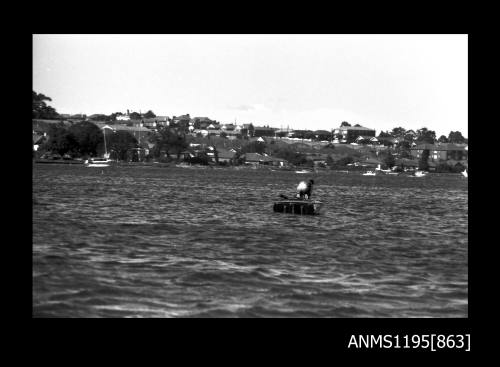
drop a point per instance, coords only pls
(439, 147)
(356, 128)
(118, 127)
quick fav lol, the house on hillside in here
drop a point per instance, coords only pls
(123, 116)
(263, 159)
(139, 132)
(201, 122)
(155, 122)
(259, 139)
(264, 131)
(225, 155)
(388, 141)
(371, 162)
(199, 132)
(349, 134)
(213, 129)
(323, 135)
(232, 135)
(441, 152)
(365, 140)
(407, 163)
(245, 130)
(228, 127)
(182, 121)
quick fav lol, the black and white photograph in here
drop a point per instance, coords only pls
(250, 176)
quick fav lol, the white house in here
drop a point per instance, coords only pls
(123, 117)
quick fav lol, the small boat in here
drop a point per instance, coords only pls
(303, 171)
(369, 173)
(104, 161)
(303, 207)
(379, 168)
(420, 173)
(98, 162)
(464, 173)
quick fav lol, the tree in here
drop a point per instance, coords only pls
(169, 140)
(100, 117)
(344, 161)
(87, 136)
(389, 160)
(410, 136)
(40, 109)
(60, 140)
(423, 164)
(291, 156)
(456, 137)
(120, 143)
(135, 116)
(425, 136)
(114, 115)
(345, 123)
(384, 134)
(254, 147)
(398, 132)
(149, 114)
(443, 139)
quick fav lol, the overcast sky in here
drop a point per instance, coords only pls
(303, 81)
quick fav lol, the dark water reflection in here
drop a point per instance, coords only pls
(164, 242)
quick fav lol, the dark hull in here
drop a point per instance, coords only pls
(303, 207)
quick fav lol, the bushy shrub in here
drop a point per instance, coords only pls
(344, 161)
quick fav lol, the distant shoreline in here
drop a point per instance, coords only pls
(233, 168)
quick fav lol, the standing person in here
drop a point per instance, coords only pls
(304, 190)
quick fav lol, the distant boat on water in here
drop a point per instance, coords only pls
(465, 174)
(100, 162)
(369, 173)
(379, 168)
(303, 171)
(297, 206)
(420, 173)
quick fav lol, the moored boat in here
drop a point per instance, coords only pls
(303, 207)
(98, 162)
(419, 173)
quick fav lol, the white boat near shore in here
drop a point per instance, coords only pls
(420, 173)
(100, 161)
(465, 174)
(97, 162)
(379, 168)
(369, 173)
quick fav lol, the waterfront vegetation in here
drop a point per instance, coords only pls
(82, 137)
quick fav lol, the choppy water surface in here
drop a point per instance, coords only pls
(173, 242)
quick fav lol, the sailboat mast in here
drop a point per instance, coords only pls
(105, 150)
